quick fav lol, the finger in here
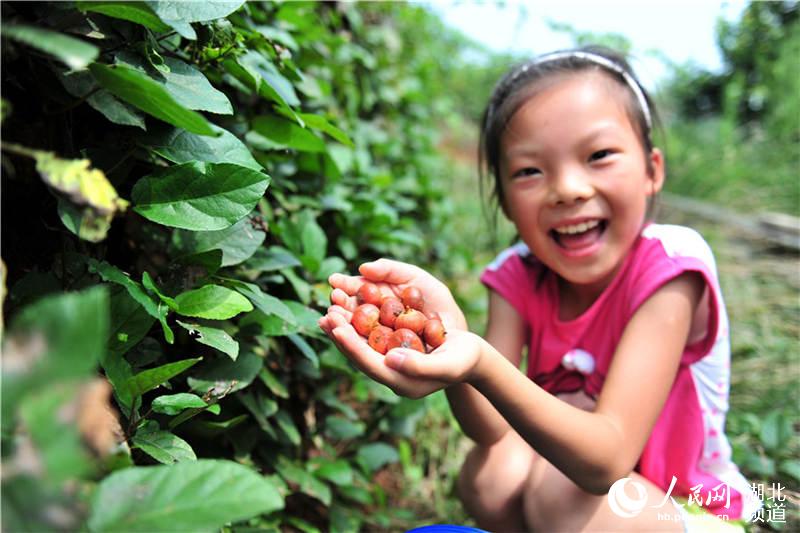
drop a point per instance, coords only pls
(338, 318)
(437, 367)
(348, 284)
(341, 298)
(389, 271)
(372, 364)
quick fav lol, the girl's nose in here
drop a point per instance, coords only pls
(570, 186)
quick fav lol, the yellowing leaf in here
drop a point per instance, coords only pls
(87, 200)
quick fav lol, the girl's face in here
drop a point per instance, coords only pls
(575, 178)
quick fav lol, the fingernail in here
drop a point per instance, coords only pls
(394, 359)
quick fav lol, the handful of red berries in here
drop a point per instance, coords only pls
(391, 322)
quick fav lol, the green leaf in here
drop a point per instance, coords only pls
(150, 379)
(336, 471)
(57, 338)
(776, 430)
(199, 196)
(376, 455)
(305, 481)
(321, 124)
(790, 467)
(81, 83)
(179, 14)
(273, 383)
(162, 446)
(281, 133)
(56, 441)
(213, 302)
(340, 428)
(214, 337)
(72, 52)
(180, 146)
(199, 495)
(305, 349)
(275, 86)
(187, 85)
(266, 303)
(83, 221)
(129, 324)
(273, 258)
(137, 12)
(237, 242)
(155, 309)
(223, 374)
(287, 425)
(150, 285)
(145, 93)
(172, 404)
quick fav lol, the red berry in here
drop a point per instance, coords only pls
(379, 338)
(390, 310)
(434, 332)
(365, 318)
(405, 338)
(412, 297)
(369, 293)
(411, 319)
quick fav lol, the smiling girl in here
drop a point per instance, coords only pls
(623, 320)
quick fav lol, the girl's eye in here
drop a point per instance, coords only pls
(600, 154)
(527, 171)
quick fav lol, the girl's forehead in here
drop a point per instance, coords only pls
(565, 95)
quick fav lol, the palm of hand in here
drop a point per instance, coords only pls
(408, 373)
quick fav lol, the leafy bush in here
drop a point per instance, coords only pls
(179, 181)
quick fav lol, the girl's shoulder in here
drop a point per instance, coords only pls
(517, 252)
(678, 242)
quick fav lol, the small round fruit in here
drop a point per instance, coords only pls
(434, 333)
(411, 319)
(405, 338)
(431, 315)
(391, 308)
(379, 338)
(365, 318)
(369, 293)
(412, 297)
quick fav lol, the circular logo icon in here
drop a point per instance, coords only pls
(622, 504)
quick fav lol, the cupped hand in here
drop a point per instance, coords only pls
(407, 372)
(392, 277)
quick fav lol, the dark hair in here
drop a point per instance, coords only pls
(521, 82)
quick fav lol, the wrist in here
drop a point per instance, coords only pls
(483, 364)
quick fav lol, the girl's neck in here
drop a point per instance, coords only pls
(574, 299)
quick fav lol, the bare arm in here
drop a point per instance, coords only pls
(478, 418)
(594, 449)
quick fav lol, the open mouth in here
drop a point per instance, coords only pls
(581, 235)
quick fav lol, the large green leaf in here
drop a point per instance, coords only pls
(275, 86)
(81, 83)
(142, 91)
(162, 446)
(214, 337)
(180, 146)
(212, 301)
(137, 12)
(187, 85)
(199, 196)
(71, 51)
(280, 133)
(155, 309)
(151, 378)
(179, 14)
(237, 242)
(199, 495)
(375, 455)
(304, 480)
(57, 338)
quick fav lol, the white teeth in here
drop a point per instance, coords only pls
(578, 228)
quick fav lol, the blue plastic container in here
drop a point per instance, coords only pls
(445, 528)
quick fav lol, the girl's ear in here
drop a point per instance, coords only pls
(657, 171)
